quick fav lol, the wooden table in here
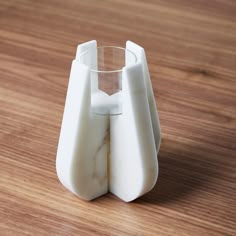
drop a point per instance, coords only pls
(191, 51)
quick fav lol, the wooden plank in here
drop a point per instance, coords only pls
(191, 51)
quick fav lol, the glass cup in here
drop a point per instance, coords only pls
(106, 65)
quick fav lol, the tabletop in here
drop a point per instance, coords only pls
(191, 51)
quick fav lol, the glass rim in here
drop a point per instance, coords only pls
(107, 71)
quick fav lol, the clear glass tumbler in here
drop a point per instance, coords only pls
(106, 77)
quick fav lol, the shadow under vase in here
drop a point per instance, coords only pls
(182, 170)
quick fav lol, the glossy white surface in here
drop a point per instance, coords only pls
(89, 163)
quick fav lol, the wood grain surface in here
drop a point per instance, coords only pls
(191, 51)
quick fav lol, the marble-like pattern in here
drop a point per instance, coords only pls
(96, 153)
